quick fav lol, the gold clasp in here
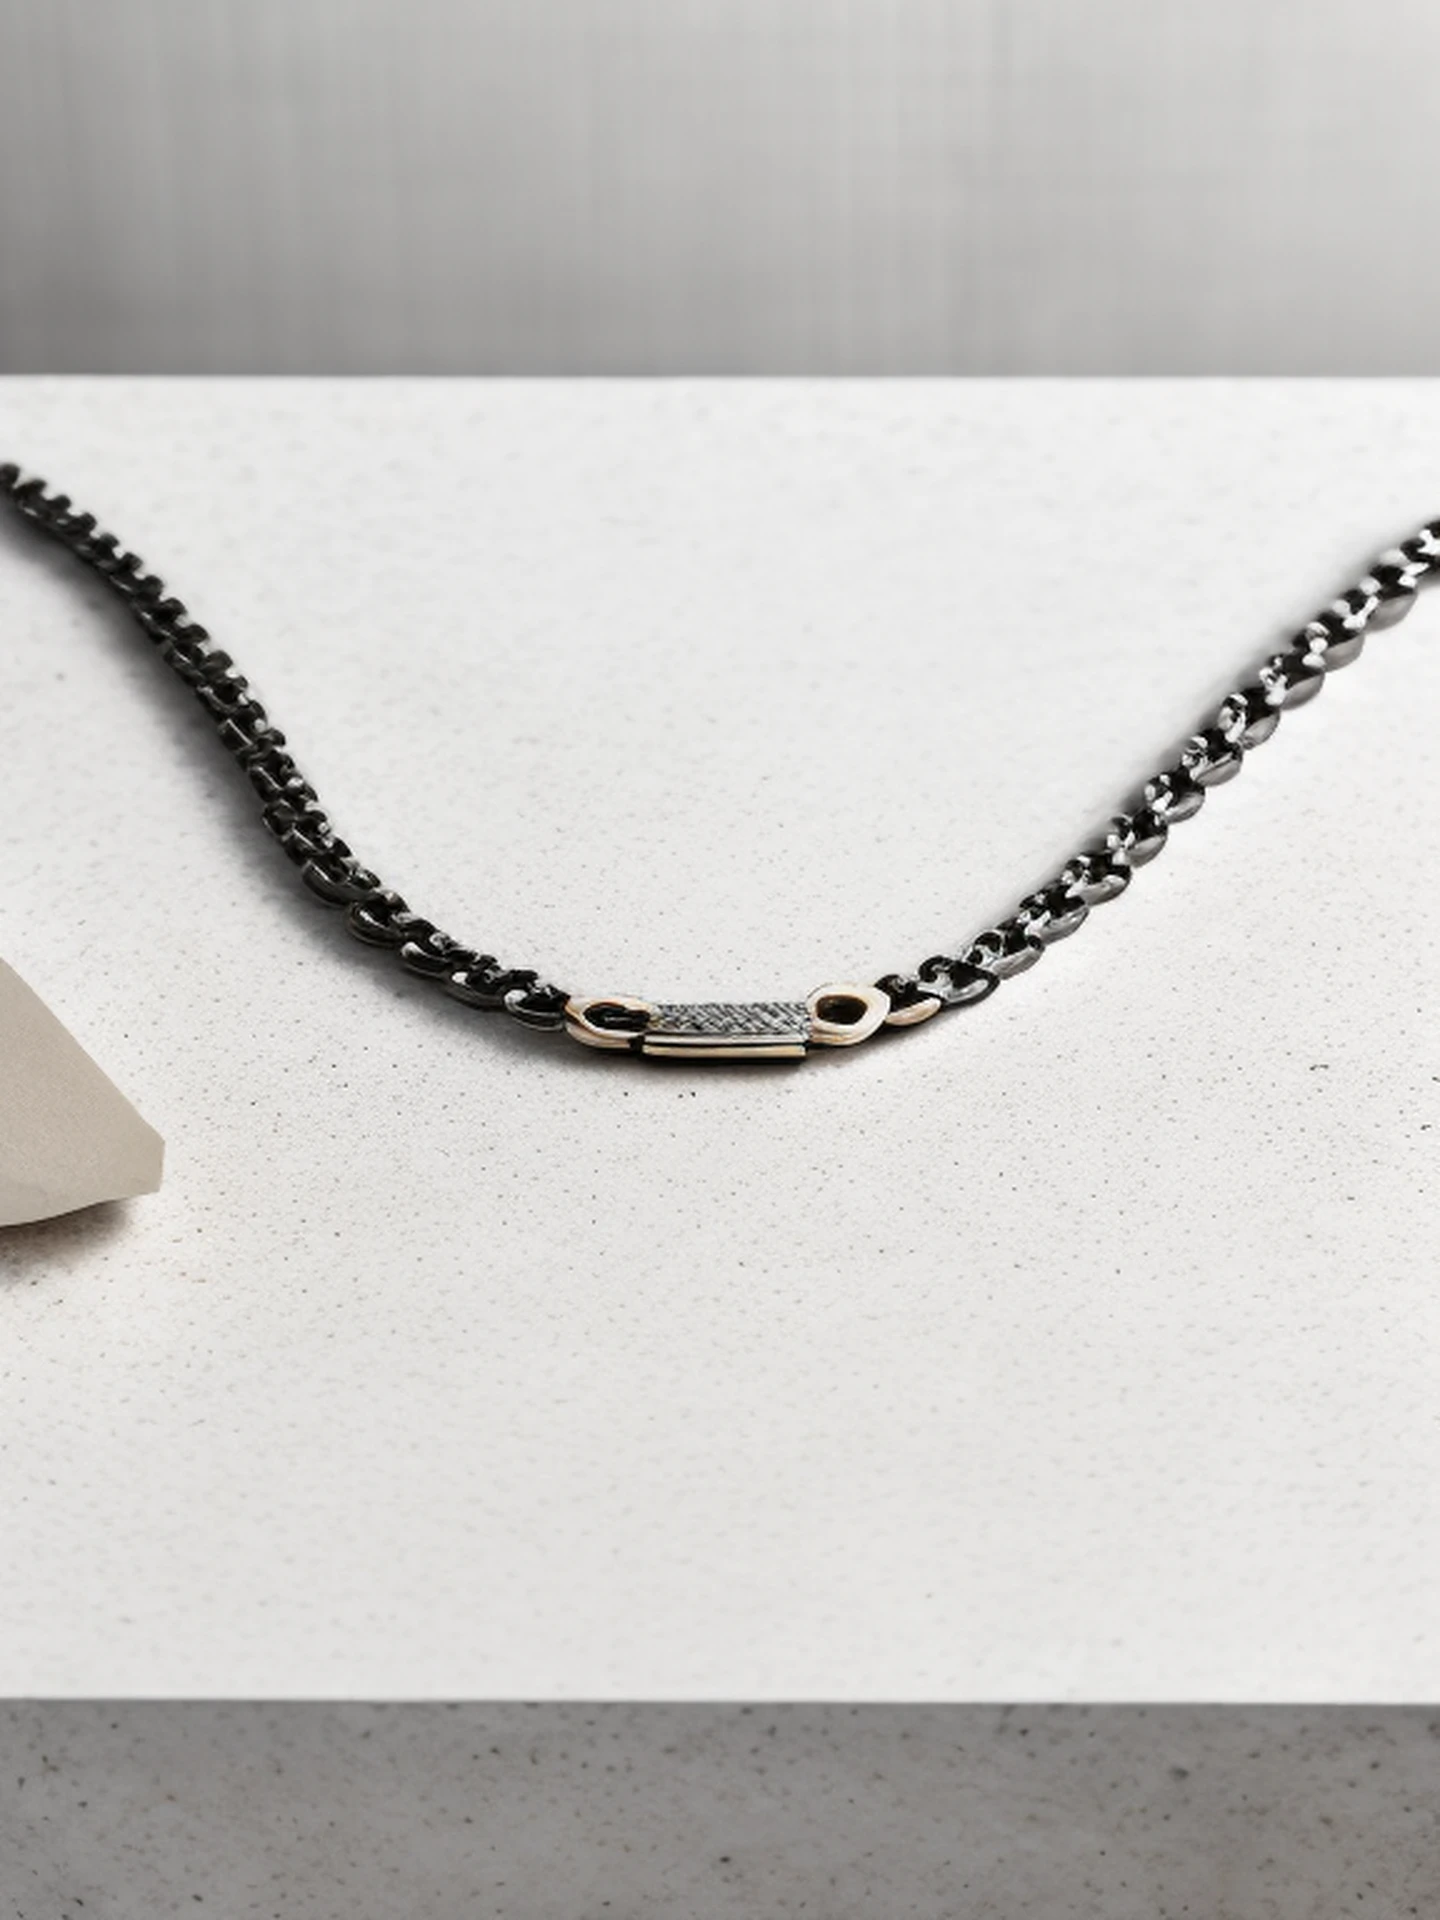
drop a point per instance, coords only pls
(837, 1016)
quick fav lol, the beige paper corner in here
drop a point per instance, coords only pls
(68, 1137)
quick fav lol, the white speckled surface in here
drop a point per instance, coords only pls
(137, 1811)
(1083, 1346)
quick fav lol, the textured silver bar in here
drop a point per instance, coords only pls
(764, 1030)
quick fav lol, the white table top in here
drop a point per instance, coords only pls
(1079, 1345)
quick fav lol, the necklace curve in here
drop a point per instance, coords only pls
(838, 1015)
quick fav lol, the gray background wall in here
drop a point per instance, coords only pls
(719, 185)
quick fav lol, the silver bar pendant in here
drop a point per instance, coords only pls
(837, 1016)
(721, 1030)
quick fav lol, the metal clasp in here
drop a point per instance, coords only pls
(836, 1016)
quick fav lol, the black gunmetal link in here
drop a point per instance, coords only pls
(1214, 754)
(1098, 873)
(288, 804)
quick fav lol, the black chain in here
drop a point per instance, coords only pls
(1099, 872)
(288, 805)
(1244, 719)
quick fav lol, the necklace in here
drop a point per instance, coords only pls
(839, 1015)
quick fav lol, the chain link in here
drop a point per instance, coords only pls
(1099, 872)
(1212, 755)
(289, 808)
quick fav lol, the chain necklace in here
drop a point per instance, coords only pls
(838, 1015)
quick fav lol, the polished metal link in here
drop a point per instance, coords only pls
(1214, 754)
(380, 917)
(289, 808)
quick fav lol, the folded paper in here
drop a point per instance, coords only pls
(68, 1136)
